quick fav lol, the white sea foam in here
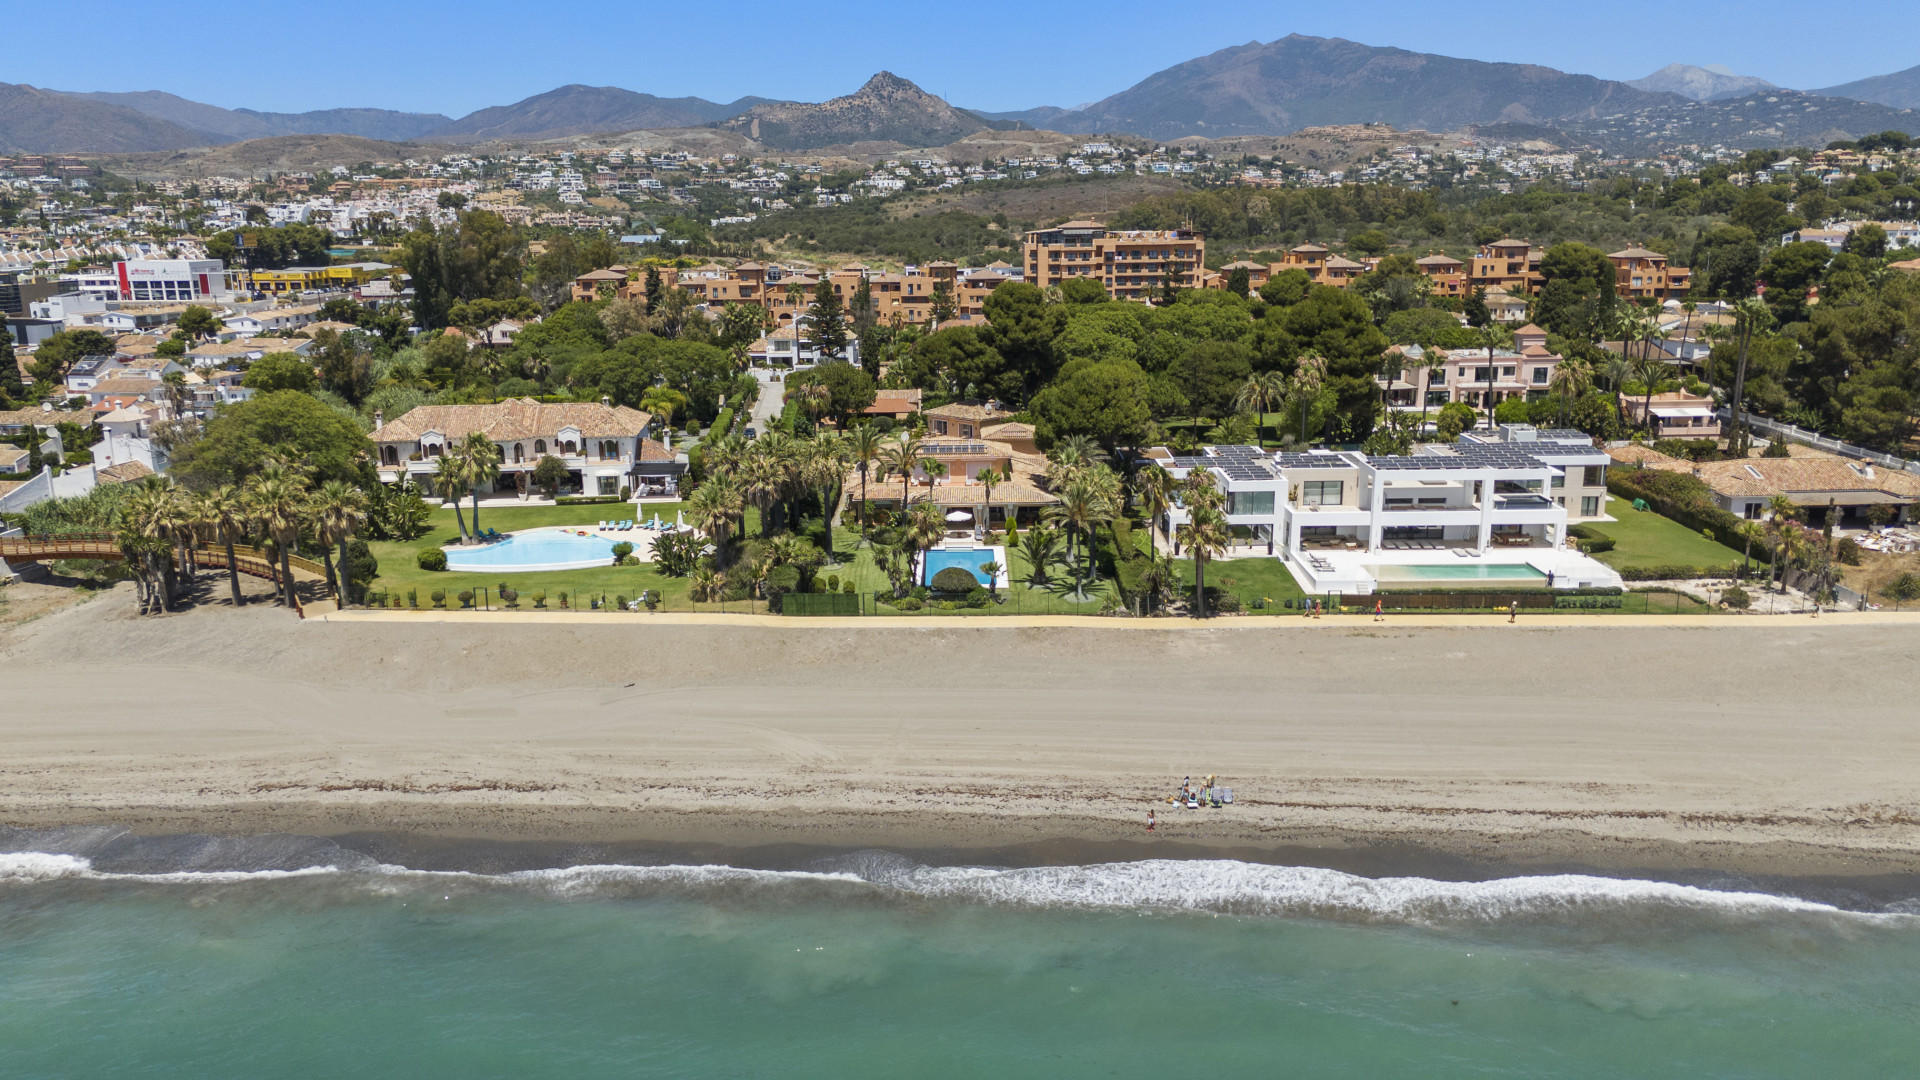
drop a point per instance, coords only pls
(1218, 886)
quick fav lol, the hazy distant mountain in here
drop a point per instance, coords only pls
(48, 121)
(1901, 89)
(1043, 117)
(1710, 83)
(581, 110)
(1300, 81)
(232, 125)
(887, 109)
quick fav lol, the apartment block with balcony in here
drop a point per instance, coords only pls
(1447, 276)
(1509, 264)
(1640, 274)
(1432, 378)
(1131, 264)
(1322, 266)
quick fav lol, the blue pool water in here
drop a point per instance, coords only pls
(541, 549)
(970, 561)
(1465, 571)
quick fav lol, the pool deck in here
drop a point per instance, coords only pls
(1351, 571)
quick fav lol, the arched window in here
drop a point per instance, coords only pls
(609, 449)
(389, 454)
(519, 452)
(568, 447)
(539, 446)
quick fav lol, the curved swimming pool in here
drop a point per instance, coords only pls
(537, 549)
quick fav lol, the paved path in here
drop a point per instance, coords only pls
(1247, 622)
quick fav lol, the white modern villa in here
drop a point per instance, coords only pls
(1490, 509)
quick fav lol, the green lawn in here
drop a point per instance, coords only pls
(1644, 538)
(400, 571)
(1261, 578)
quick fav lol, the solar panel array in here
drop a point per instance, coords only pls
(952, 449)
(1242, 462)
(1465, 456)
(1312, 461)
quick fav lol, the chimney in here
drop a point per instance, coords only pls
(606, 401)
(379, 419)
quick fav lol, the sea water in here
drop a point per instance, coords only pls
(878, 966)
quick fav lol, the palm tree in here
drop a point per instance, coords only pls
(713, 507)
(226, 510)
(1749, 316)
(1307, 380)
(1153, 486)
(1571, 378)
(142, 546)
(1207, 535)
(903, 457)
(450, 480)
(1085, 502)
(988, 478)
(1650, 370)
(864, 447)
(763, 477)
(1750, 531)
(1041, 550)
(1436, 365)
(924, 529)
(992, 570)
(1261, 394)
(482, 459)
(935, 470)
(823, 469)
(339, 509)
(277, 498)
(1792, 544)
(1617, 370)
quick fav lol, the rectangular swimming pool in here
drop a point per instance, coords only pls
(1461, 572)
(968, 559)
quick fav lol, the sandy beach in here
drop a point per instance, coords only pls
(1792, 747)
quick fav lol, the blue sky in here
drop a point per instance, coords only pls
(436, 56)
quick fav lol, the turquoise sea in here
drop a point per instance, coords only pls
(874, 965)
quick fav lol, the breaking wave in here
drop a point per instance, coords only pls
(1220, 887)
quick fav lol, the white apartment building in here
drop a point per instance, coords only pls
(1488, 509)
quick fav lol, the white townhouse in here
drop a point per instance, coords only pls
(1342, 520)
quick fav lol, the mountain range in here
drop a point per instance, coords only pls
(1710, 83)
(1901, 90)
(1273, 88)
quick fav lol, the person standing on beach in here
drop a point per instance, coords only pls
(1379, 613)
(1513, 611)
(1149, 821)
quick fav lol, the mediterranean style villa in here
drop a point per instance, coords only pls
(1430, 378)
(604, 446)
(967, 439)
(1491, 507)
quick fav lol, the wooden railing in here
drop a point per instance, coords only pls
(79, 546)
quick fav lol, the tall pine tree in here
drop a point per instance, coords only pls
(13, 392)
(827, 322)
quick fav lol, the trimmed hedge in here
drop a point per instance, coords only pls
(1674, 572)
(586, 500)
(722, 424)
(432, 559)
(1592, 540)
(1684, 498)
(953, 579)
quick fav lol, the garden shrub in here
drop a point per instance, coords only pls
(620, 552)
(620, 603)
(1848, 551)
(651, 598)
(908, 603)
(1592, 540)
(539, 599)
(562, 597)
(626, 492)
(439, 597)
(466, 598)
(413, 599)
(1736, 598)
(511, 597)
(953, 579)
(833, 582)
(847, 588)
(920, 592)
(978, 597)
(432, 559)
